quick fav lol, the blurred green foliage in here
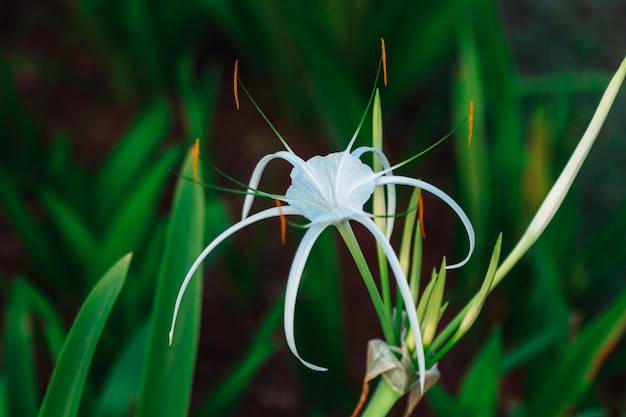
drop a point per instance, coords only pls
(314, 63)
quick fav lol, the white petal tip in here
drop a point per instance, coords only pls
(314, 367)
(171, 336)
(455, 266)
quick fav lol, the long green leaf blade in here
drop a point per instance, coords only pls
(166, 384)
(119, 392)
(479, 394)
(575, 373)
(130, 156)
(68, 380)
(130, 221)
(22, 393)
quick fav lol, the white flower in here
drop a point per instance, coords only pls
(328, 191)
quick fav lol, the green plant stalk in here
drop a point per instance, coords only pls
(22, 395)
(380, 210)
(355, 250)
(555, 196)
(383, 399)
(410, 261)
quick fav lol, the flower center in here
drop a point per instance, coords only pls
(330, 188)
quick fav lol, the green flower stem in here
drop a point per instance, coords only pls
(382, 401)
(355, 250)
(548, 207)
(379, 206)
(384, 279)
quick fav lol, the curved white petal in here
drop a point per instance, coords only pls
(265, 214)
(293, 282)
(391, 189)
(258, 172)
(412, 182)
(405, 291)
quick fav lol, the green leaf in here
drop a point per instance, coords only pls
(76, 237)
(130, 156)
(64, 393)
(22, 395)
(4, 403)
(198, 98)
(120, 389)
(168, 370)
(572, 376)
(53, 328)
(133, 216)
(42, 252)
(472, 161)
(479, 392)
(442, 403)
(523, 352)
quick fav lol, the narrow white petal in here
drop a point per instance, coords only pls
(446, 199)
(256, 177)
(293, 282)
(265, 214)
(391, 189)
(403, 286)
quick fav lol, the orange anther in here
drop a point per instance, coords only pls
(236, 84)
(420, 212)
(283, 223)
(384, 57)
(196, 155)
(470, 121)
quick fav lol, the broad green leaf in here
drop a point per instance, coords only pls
(41, 251)
(54, 331)
(64, 392)
(442, 403)
(502, 95)
(224, 399)
(4, 404)
(532, 345)
(19, 365)
(166, 383)
(133, 216)
(472, 159)
(119, 392)
(76, 236)
(127, 161)
(427, 28)
(143, 43)
(479, 393)
(574, 373)
(198, 98)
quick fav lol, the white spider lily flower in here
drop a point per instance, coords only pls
(329, 191)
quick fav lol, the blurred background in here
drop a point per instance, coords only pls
(99, 101)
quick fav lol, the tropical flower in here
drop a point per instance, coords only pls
(328, 191)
